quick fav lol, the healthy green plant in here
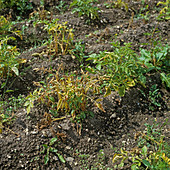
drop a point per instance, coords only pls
(156, 59)
(69, 94)
(165, 12)
(12, 104)
(144, 16)
(119, 69)
(153, 97)
(152, 151)
(78, 52)
(8, 108)
(120, 4)
(9, 62)
(51, 148)
(85, 8)
(117, 4)
(20, 7)
(61, 7)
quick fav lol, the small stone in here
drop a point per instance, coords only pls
(88, 140)
(123, 142)
(9, 156)
(69, 159)
(19, 138)
(68, 147)
(34, 132)
(55, 158)
(113, 116)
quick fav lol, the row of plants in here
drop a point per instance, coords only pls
(73, 93)
(85, 8)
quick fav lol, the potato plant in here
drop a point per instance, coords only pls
(69, 94)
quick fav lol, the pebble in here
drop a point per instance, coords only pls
(113, 116)
(55, 158)
(88, 140)
(69, 159)
(9, 156)
(68, 147)
(34, 132)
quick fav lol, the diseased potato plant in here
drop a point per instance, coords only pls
(165, 11)
(5, 28)
(69, 94)
(61, 37)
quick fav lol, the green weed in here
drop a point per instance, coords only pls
(165, 11)
(152, 151)
(9, 62)
(19, 7)
(85, 8)
(51, 148)
(117, 4)
(153, 97)
(156, 59)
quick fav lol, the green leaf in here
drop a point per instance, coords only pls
(52, 99)
(98, 66)
(28, 109)
(61, 158)
(53, 150)
(53, 140)
(121, 91)
(27, 103)
(9, 91)
(166, 78)
(3, 85)
(146, 163)
(144, 150)
(46, 159)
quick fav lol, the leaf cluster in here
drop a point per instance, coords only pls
(117, 4)
(6, 28)
(85, 8)
(9, 61)
(50, 148)
(156, 59)
(119, 69)
(69, 94)
(61, 37)
(120, 4)
(20, 7)
(153, 153)
(165, 11)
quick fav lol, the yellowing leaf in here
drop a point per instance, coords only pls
(117, 157)
(59, 104)
(108, 92)
(99, 105)
(98, 100)
(23, 60)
